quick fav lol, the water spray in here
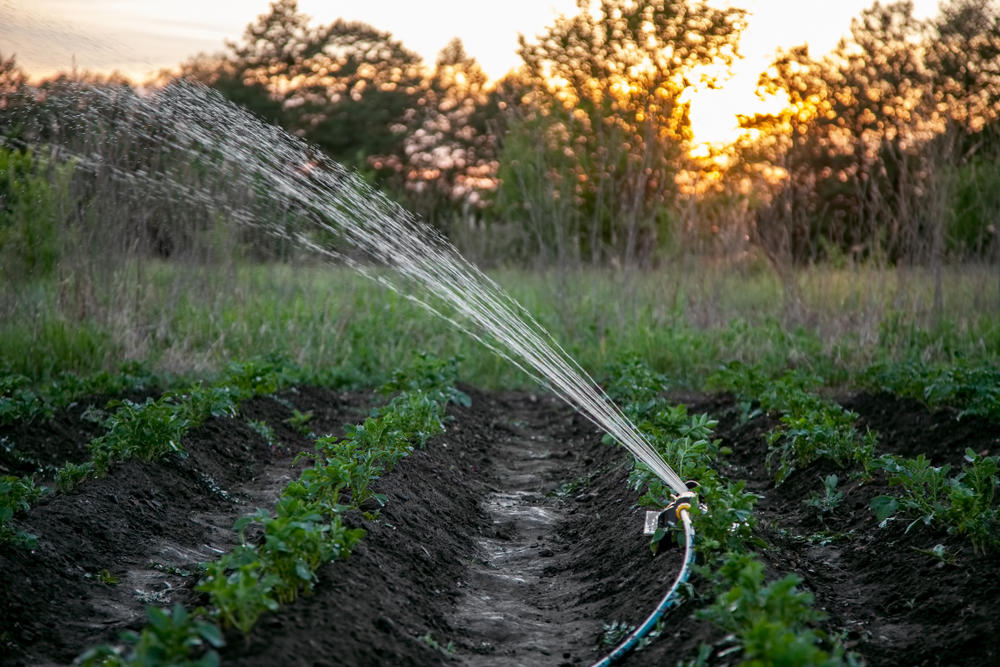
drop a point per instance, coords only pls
(283, 170)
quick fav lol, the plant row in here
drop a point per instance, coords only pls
(304, 532)
(965, 503)
(810, 427)
(147, 431)
(22, 402)
(770, 623)
(973, 389)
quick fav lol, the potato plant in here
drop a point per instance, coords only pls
(153, 429)
(972, 389)
(306, 530)
(22, 402)
(772, 623)
(966, 503)
(810, 428)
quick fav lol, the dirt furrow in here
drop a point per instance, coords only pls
(512, 610)
(509, 540)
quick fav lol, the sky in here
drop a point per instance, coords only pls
(140, 37)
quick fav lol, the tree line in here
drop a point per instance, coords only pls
(886, 151)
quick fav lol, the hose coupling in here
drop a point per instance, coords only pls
(671, 514)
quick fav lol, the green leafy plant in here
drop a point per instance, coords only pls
(17, 494)
(771, 624)
(306, 530)
(967, 503)
(297, 540)
(810, 427)
(446, 649)
(237, 589)
(147, 430)
(300, 421)
(71, 474)
(973, 388)
(264, 430)
(831, 498)
(772, 621)
(615, 632)
(176, 637)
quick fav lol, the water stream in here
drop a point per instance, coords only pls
(329, 200)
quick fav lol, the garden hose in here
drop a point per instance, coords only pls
(681, 509)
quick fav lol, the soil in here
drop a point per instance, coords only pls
(512, 539)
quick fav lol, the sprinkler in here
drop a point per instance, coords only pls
(679, 510)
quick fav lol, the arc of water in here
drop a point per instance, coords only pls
(285, 170)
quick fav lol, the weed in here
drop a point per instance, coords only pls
(831, 498)
(938, 552)
(105, 577)
(264, 430)
(448, 649)
(300, 421)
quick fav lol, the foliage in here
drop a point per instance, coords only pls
(883, 139)
(152, 429)
(30, 234)
(967, 503)
(169, 638)
(773, 622)
(17, 494)
(973, 388)
(147, 430)
(300, 421)
(20, 402)
(830, 499)
(306, 530)
(607, 126)
(810, 427)
(615, 633)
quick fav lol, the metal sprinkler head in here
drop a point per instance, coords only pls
(670, 515)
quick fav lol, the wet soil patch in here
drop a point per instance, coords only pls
(135, 537)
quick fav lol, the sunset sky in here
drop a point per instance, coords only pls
(139, 37)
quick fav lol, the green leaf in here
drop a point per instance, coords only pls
(884, 507)
(210, 633)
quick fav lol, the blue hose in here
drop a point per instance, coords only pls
(668, 600)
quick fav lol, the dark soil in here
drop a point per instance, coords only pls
(136, 536)
(511, 539)
(894, 602)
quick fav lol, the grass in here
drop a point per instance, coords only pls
(684, 320)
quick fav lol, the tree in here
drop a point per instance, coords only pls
(851, 142)
(358, 93)
(451, 151)
(346, 86)
(611, 80)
